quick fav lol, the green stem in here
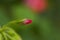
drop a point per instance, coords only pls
(13, 22)
(0, 36)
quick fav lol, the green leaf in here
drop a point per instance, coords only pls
(8, 33)
(12, 34)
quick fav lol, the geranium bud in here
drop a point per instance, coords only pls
(27, 21)
(37, 5)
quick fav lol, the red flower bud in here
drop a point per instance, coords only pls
(27, 21)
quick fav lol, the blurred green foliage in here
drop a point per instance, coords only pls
(45, 26)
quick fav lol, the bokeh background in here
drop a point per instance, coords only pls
(45, 25)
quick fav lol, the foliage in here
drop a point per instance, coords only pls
(45, 26)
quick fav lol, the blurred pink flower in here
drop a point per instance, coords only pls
(37, 5)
